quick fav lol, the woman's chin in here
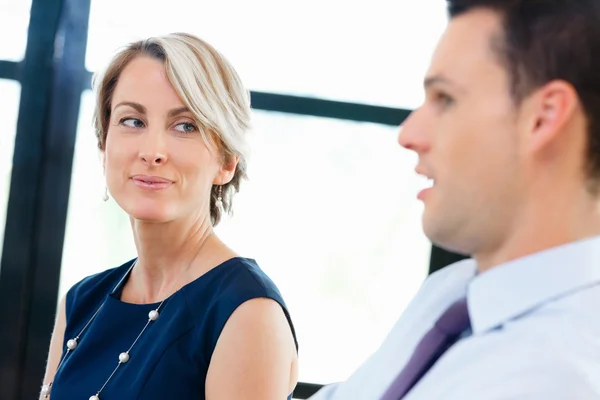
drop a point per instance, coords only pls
(150, 214)
(150, 219)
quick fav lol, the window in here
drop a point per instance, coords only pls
(367, 52)
(14, 21)
(340, 238)
(321, 216)
(329, 211)
(10, 93)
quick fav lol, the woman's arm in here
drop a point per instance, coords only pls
(255, 357)
(56, 344)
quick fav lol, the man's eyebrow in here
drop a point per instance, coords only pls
(434, 80)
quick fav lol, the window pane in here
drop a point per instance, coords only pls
(329, 213)
(97, 234)
(368, 52)
(14, 22)
(10, 94)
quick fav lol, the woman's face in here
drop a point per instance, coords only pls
(158, 167)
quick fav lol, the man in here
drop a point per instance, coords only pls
(509, 134)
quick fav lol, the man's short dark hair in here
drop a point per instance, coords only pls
(544, 40)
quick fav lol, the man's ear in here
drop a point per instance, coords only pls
(549, 110)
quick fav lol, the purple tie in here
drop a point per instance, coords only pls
(444, 334)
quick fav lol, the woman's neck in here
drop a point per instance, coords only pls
(166, 253)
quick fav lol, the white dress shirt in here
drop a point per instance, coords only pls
(535, 333)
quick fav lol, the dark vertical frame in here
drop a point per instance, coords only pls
(52, 77)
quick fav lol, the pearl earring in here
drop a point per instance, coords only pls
(105, 197)
(219, 202)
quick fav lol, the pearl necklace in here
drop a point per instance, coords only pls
(123, 357)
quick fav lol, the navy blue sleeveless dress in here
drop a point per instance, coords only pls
(171, 358)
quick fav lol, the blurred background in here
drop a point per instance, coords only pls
(329, 212)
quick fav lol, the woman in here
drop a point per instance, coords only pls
(188, 318)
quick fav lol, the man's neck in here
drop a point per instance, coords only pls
(541, 228)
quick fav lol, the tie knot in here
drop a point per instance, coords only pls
(455, 319)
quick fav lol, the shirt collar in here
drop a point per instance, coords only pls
(512, 289)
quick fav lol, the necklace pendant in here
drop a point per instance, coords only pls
(72, 344)
(45, 391)
(123, 357)
(94, 397)
(153, 315)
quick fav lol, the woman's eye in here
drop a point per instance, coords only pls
(132, 123)
(185, 127)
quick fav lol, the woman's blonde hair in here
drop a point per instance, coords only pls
(206, 83)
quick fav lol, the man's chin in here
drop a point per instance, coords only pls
(445, 237)
(436, 229)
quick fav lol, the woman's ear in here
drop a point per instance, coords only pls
(226, 171)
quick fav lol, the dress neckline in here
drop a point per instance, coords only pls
(115, 294)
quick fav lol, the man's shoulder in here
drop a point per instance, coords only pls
(543, 355)
(523, 365)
